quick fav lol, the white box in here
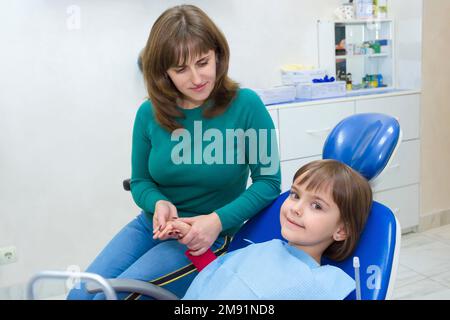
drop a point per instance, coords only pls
(364, 9)
(277, 94)
(301, 76)
(321, 90)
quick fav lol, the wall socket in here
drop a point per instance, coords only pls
(8, 255)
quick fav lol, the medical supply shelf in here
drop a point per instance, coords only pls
(362, 48)
(304, 126)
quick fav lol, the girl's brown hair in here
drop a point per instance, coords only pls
(181, 33)
(350, 191)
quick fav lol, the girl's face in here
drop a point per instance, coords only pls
(195, 80)
(310, 220)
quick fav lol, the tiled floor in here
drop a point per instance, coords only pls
(424, 270)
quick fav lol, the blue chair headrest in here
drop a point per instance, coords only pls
(366, 150)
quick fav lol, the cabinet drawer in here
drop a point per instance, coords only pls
(403, 169)
(303, 130)
(289, 168)
(404, 108)
(404, 203)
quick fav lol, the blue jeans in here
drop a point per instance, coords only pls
(134, 254)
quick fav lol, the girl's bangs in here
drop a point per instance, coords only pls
(316, 181)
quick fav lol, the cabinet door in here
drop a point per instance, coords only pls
(403, 169)
(404, 203)
(274, 116)
(289, 168)
(303, 130)
(404, 108)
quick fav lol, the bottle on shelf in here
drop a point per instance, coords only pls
(348, 81)
(380, 80)
(375, 9)
(366, 81)
(382, 9)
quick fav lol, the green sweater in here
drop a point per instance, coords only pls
(204, 168)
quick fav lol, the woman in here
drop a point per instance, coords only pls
(197, 126)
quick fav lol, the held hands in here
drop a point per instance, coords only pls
(203, 232)
(174, 229)
(197, 233)
(164, 212)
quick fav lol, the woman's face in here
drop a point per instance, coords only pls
(195, 80)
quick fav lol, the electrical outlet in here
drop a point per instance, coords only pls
(8, 255)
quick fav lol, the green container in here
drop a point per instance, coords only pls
(376, 47)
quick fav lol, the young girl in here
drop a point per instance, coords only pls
(324, 215)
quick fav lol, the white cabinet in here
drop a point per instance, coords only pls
(404, 108)
(404, 203)
(403, 169)
(274, 116)
(289, 168)
(303, 128)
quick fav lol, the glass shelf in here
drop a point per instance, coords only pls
(358, 50)
(373, 55)
(364, 52)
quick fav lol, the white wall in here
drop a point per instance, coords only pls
(408, 36)
(68, 99)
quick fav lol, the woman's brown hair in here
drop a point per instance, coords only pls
(350, 191)
(181, 33)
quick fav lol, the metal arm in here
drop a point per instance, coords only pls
(102, 283)
(136, 286)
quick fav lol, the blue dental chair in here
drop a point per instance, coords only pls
(365, 142)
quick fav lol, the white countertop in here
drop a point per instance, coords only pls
(352, 96)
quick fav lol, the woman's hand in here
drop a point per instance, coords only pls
(164, 212)
(204, 231)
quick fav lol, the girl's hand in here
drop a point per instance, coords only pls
(164, 212)
(174, 230)
(204, 231)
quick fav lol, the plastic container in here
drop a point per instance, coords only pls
(363, 9)
(382, 9)
(321, 90)
(301, 76)
(380, 81)
(276, 95)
